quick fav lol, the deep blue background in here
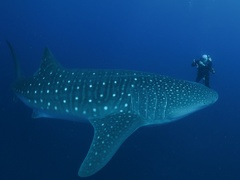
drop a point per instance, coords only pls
(161, 36)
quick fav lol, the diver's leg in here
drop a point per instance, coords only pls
(199, 77)
(207, 81)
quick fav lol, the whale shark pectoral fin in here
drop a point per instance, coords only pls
(109, 133)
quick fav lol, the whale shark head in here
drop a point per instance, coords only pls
(185, 98)
(115, 102)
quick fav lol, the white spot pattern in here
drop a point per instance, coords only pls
(112, 101)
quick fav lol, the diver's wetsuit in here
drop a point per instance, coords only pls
(203, 70)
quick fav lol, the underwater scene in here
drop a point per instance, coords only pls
(121, 90)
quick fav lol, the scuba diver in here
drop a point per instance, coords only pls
(204, 67)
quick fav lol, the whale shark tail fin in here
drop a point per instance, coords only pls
(15, 61)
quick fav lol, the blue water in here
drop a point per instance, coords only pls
(160, 36)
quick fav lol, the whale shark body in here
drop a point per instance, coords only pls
(115, 102)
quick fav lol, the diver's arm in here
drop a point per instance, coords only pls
(194, 63)
(211, 69)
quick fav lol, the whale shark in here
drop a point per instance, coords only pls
(115, 102)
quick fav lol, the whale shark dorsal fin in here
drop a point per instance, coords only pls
(48, 61)
(109, 133)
